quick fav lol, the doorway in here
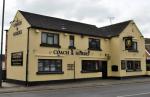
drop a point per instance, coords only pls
(104, 69)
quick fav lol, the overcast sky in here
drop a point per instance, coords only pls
(96, 12)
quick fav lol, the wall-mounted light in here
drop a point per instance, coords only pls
(65, 34)
(37, 31)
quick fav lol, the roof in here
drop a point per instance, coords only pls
(52, 23)
(115, 29)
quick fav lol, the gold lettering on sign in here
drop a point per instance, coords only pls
(17, 33)
(70, 52)
(17, 23)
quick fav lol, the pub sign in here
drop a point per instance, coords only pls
(17, 59)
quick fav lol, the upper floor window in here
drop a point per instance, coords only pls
(94, 44)
(71, 42)
(134, 45)
(50, 39)
(130, 45)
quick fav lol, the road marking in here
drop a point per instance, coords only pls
(134, 94)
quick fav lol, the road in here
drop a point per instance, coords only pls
(123, 90)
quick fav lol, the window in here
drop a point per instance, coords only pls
(94, 44)
(133, 65)
(50, 39)
(130, 45)
(134, 46)
(91, 66)
(44, 37)
(50, 65)
(71, 43)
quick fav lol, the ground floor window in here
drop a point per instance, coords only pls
(91, 66)
(133, 65)
(50, 65)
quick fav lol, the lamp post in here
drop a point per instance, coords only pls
(2, 29)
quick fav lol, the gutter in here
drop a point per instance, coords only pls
(70, 32)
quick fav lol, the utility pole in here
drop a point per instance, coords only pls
(2, 29)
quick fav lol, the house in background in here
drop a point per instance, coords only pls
(3, 62)
(3, 67)
(43, 49)
(147, 46)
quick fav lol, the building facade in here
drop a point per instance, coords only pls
(42, 49)
(147, 46)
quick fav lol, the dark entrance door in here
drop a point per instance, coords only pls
(104, 69)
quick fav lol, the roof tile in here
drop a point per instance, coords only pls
(51, 23)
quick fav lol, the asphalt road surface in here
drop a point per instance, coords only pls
(123, 90)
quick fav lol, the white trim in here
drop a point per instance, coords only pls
(46, 55)
(148, 58)
(147, 52)
(133, 58)
(147, 44)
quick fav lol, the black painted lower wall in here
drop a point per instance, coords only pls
(33, 83)
(20, 82)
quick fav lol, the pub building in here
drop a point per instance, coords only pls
(46, 49)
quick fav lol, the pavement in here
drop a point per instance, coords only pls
(10, 88)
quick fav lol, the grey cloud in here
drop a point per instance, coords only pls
(89, 11)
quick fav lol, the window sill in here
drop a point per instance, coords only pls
(72, 47)
(16, 65)
(47, 45)
(95, 49)
(42, 73)
(133, 51)
(133, 70)
(90, 71)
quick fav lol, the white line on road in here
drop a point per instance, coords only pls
(134, 94)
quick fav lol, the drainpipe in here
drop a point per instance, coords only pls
(27, 57)
(74, 71)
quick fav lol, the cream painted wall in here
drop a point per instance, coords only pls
(81, 43)
(115, 55)
(132, 30)
(118, 52)
(17, 43)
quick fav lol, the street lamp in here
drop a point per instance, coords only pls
(3, 11)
